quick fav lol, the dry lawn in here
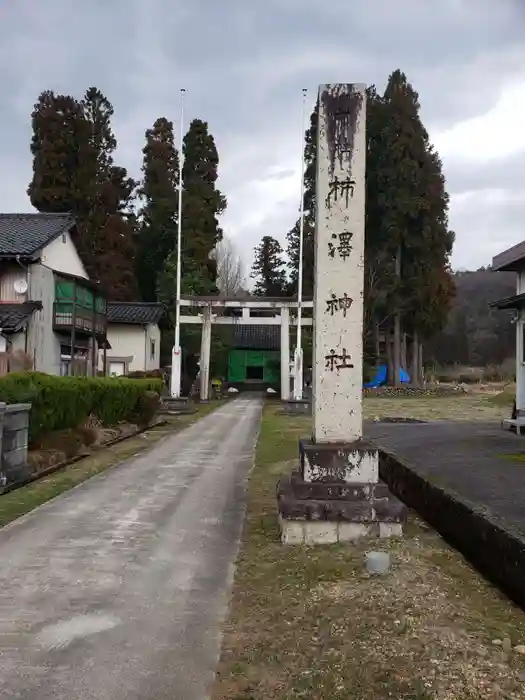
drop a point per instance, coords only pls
(471, 406)
(311, 624)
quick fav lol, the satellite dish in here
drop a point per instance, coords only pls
(20, 286)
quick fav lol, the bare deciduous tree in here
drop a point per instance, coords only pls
(230, 278)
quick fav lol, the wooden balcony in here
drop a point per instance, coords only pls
(68, 316)
(79, 306)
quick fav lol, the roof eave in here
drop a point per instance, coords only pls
(510, 260)
(514, 302)
(36, 254)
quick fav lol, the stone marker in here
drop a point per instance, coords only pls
(336, 495)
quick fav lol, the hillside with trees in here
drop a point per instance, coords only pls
(475, 334)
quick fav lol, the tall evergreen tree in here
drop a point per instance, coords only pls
(268, 269)
(292, 237)
(157, 236)
(73, 171)
(380, 281)
(408, 243)
(202, 205)
(114, 250)
(62, 154)
(107, 232)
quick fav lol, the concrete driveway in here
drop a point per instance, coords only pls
(116, 590)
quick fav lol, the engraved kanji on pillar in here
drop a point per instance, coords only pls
(339, 263)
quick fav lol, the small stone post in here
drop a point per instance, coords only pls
(336, 495)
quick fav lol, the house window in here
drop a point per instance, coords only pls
(152, 349)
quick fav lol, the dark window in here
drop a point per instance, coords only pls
(255, 373)
(152, 349)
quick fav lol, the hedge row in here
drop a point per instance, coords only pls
(58, 403)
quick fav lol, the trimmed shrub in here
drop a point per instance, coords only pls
(59, 403)
(147, 408)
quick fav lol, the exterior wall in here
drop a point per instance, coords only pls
(42, 344)
(520, 282)
(134, 342)
(61, 255)
(520, 348)
(9, 274)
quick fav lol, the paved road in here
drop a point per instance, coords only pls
(115, 591)
(470, 458)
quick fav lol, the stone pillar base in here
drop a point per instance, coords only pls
(336, 496)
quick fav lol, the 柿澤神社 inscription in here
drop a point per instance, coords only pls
(339, 189)
(341, 246)
(335, 361)
(338, 304)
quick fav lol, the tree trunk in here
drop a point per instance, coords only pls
(404, 363)
(420, 363)
(377, 345)
(414, 370)
(389, 357)
(397, 326)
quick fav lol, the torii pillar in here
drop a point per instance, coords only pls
(336, 495)
(285, 353)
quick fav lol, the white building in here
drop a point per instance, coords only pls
(47, 303)
(133, 335)
(513, 260)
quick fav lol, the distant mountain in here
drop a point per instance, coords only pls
(476, 334)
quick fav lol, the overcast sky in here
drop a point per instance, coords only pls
(243, 64)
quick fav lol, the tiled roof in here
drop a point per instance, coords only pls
(25, 234)
(257, 337)
(135, 312)
(515, 302)
(14, 317)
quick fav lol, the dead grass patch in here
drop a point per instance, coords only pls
(463, 407)
(311, 624)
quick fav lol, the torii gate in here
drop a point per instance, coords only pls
(280, 305)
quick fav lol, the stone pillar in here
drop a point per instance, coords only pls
(339, 277)
(285, 353)
(14, 442)
(520, 366)
(336, 496)
(205, 354)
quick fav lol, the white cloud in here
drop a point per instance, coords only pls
(244, 64)
(497, 134)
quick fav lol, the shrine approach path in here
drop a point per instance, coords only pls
(116, 589)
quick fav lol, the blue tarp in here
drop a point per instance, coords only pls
(381, 375)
